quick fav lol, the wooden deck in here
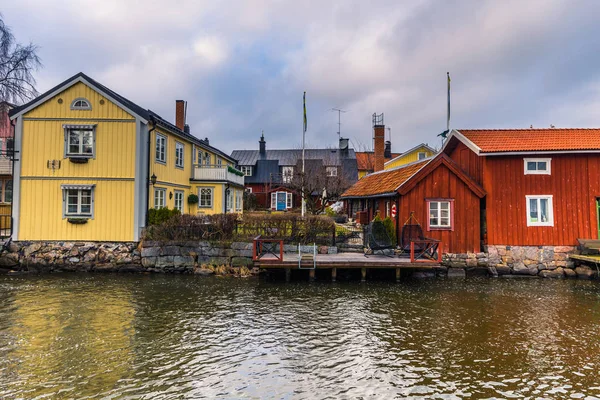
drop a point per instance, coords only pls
(343, 260)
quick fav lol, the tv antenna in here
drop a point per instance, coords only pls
(339, 120)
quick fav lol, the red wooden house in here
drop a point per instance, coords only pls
(444, 199)
(542, 185)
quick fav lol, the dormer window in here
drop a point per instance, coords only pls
(81, 104)
(537, 166)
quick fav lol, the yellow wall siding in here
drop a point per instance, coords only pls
(170, 203)
(408, 158)
(41, 212)
(168, 172)
(362, 173)
(52, 108)
(44, 141)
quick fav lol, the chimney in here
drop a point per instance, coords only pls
(186, 128)
(387, 153)
(180, 109)
(262, 145)
(378, 138)
(206, 141)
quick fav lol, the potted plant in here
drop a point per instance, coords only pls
(192, 200)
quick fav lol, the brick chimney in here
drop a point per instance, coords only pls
(379, 141)
(180, 114)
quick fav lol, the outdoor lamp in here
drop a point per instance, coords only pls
(153, 179)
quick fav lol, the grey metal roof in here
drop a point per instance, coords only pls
(330, 157)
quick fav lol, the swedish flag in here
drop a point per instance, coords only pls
(304, 104)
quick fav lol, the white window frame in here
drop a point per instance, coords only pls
(287, 173)
(211, 190)
(219, 162)
(288, 201)
(179, 151)
(246, 170)
(81, 103)
(550, 216)
(207, 158)
(248, 190)
(438, 209)
(3, 189)
(178, 193)
(228, 200)
(421, 155)
(80, 189)
(78, 128)
(162, 195)
(160, 154)
(547, 171)
(238, 200)
(331, 171)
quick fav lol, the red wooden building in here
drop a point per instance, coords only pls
(444, 199)
(542, 185)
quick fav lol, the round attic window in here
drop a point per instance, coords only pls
(81, 104)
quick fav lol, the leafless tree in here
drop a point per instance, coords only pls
(17, 64)
(324, 181)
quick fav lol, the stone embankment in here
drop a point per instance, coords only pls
(542, 261)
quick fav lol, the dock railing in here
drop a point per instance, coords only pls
(261, 247)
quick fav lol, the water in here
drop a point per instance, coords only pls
(153, 337)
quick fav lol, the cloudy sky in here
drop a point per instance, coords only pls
(243, 65)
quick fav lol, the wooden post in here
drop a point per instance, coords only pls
(311, 275)
(397, 274)
(288, 274)
(363, 274)
(333, 274)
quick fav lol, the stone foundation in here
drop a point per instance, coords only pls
(542, 261)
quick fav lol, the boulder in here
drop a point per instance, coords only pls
(553, 273)
(150, 251)
(203, 271)
(492, 271)
(570, 273)
(170, 251)
(519, 268)
(9, 260)
(584, 272)
(32, 248)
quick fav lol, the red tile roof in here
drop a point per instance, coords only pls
(521, 140)
(366, 160)
(383, 182)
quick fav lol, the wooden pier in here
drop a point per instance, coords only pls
(333, 262)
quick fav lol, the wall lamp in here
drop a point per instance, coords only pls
(153, 179)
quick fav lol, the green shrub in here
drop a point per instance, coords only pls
(329, 212)
(193, 199)
(389, 227)
(156, 217)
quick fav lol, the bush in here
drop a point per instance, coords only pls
(193, 199)
(289, 227)
(250, 201)
(194, 227)
(156, 217)
(389, 227)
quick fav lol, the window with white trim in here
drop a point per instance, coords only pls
(205, 197)
(206, 159)
(161, 148)
(81, 104)
(439, 214)
(422, 155)
(228, 200)
(78, 201)
(246, 170)
(219, 162)
(331, 171)
(288, 200)
(287, 174)
(160, 198)
(248, 190)
(179, 200)
(179, 155)
(80, 141)
(238, 200)
(539, 210)
(537, 166)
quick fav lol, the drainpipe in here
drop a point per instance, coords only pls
(153, 122)
(225, 199)
(12, 176)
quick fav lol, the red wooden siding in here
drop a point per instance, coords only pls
(574, 185)
(442, 183)
(468, 161)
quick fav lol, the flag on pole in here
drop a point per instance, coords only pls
(304, 104)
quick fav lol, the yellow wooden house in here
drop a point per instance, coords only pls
(417, 153)
(91, 163)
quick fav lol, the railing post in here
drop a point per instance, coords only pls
(412, 252)
(281, 250)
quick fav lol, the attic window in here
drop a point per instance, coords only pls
(80, 104)
(422, 155)
(537, 166)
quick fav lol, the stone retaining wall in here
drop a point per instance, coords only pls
(542, 261)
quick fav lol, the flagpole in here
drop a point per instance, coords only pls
(448, 117)
(303, 140)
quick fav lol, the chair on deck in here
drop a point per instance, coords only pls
(377, 238)
(412, 232)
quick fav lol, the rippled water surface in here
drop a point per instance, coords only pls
(152, 337)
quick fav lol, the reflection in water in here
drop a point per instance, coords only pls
(132, 336)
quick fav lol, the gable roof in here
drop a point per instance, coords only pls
(404, 178)
(291, 156)
(384, 183)
(547, 140)
(128, 105)
(366, 159)
(417, 147)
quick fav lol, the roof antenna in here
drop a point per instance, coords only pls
(339, 121)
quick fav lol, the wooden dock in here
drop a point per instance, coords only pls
(334, 262)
